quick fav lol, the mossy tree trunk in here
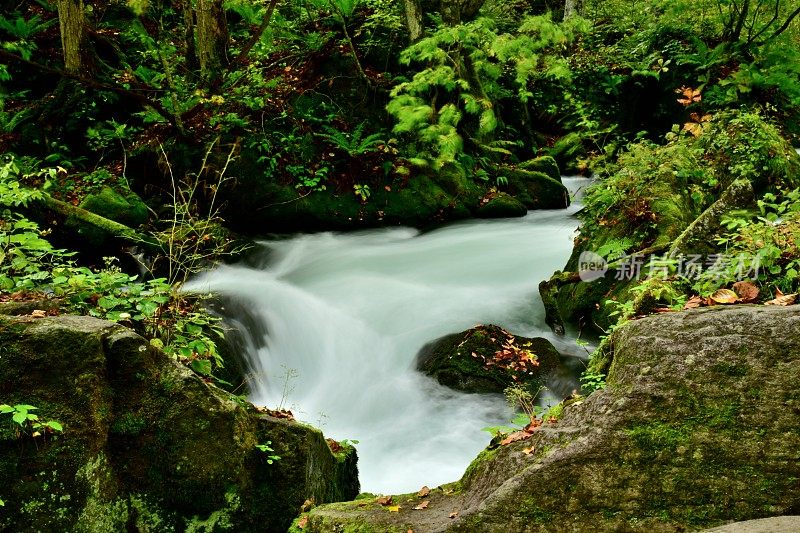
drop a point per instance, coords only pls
(74, 41)
(190, 51)
(572, 8)
(458, 11)
(416, 28)
(212, 38)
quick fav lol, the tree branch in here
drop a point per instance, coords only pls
(785, 25)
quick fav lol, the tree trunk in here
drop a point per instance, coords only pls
(457, 11)
(212, 38)
(188, 35)
(416, 28)
(572, 8)
(74, 42)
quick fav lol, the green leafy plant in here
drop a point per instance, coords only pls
(28, 421)
(267, 449)
(354, 143)
(592, 381)
(362, 191)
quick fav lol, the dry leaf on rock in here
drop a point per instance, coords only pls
(694, 302)
(422, 505)
(453, 514)
(725, 296)
(529, 450)
(384, 500)
(783, 299)
(514, 437)
(424, 491)
(302, 522)
(38, 313)
(747, 292)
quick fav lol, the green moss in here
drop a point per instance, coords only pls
(532, 511)
(129, 424)
(503, 205)
(655, 437)
(546, 165)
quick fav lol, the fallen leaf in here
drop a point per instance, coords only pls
(783, 299)
(38, 313)
(302, 523)
(725, 296)
(535, 423)
(307, 505)
(422, 505)
(528, 451)
(384, 500)
(514, 437)
(424, 491)
(453, 514)
(694, 302)
(394, 508)
(746, 291)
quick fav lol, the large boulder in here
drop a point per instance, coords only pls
(147, 445)
(699, 425)
(488, 359)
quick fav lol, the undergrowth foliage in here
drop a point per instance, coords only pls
(32, 268)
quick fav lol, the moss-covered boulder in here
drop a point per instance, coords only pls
(147, 445)
(698, 425)
(566, 151)
(126, 208)
(535, 189)
(545, 164)
(488, 359)
(502, 205)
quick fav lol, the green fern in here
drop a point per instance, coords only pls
(354, 143)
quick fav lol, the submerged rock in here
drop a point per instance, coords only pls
(147, 445)
(697, 426)
(488, 359)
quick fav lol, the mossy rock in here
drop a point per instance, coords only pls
(536, 190)
(256, 205)
(126, 208)
(502, 205)
(545, 164)
(147, 445)
(566, 151)
(488, 359)
(696, 427)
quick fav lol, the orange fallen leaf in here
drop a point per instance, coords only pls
(535, 423)
(746, 291)
(38, 313)
(725, 296)
(384, 500)
(529, 450)
(783, 300)
(453, 514)
(424, 491)
(516, 436)
(423, 505)
(694, 302)
(302, 523)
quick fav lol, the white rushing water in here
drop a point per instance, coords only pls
(346, 314)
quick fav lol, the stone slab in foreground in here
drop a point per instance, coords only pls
(699, 425)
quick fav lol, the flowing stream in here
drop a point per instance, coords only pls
(334, 322)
